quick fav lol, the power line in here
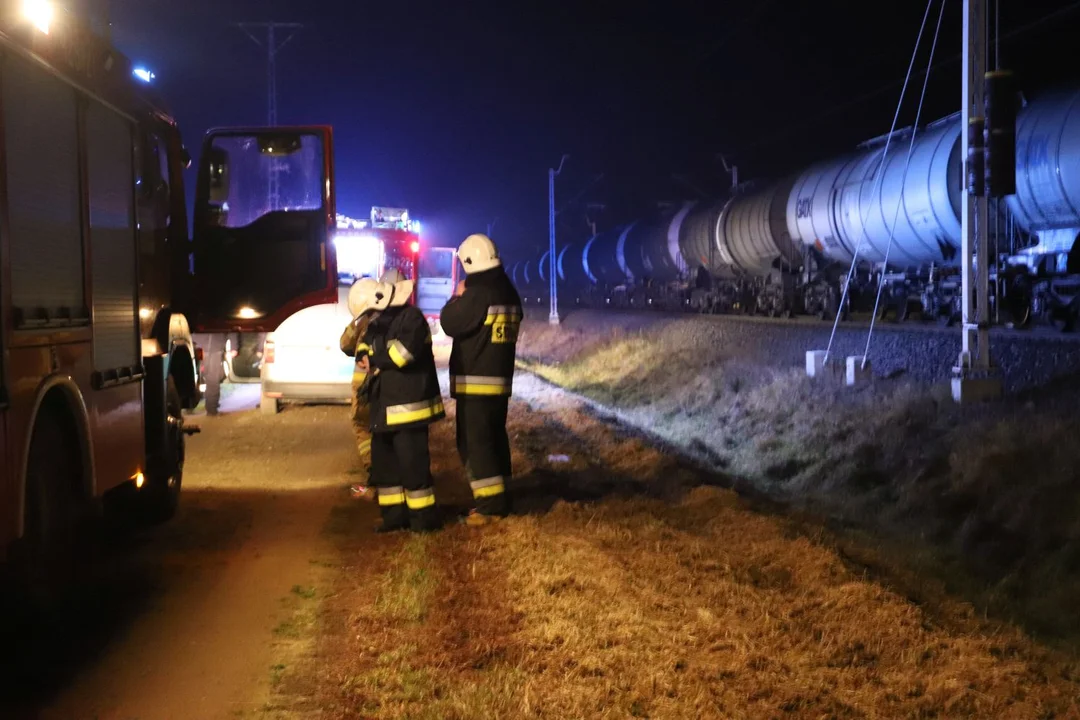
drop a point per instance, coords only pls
(577, 197)
(836, 109)
(273, 47)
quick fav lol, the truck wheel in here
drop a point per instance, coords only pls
(214, 368)
(44, 558)
(161, 497)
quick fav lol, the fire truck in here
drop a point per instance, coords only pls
(101, 286)
(438, 278)
(392, 240)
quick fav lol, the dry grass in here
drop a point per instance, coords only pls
(991, 492)
(650, 596)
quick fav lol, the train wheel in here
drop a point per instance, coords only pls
(1065, 320)
(1020, 302)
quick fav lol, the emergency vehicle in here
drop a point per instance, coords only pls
(301, 360)
(435, 287)
(392, 240)
(101, 287)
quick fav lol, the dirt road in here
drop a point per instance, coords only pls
(198, 620)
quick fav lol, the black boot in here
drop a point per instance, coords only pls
(394, 518)
(427, 520)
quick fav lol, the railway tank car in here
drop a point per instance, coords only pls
(787, 245)
(853, 205)
(698, 240)
(1047, 199)
(1045, 277)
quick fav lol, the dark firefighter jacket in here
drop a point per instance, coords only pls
(404, 392)
(354, 333)
(484, 322)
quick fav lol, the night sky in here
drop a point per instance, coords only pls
(456, 110)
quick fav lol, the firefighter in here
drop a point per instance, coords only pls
(483, 318)
(350, 338)
(404, 399)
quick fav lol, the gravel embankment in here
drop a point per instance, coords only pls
(924, 354)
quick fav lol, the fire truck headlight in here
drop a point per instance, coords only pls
(40, 13)
(246, 313)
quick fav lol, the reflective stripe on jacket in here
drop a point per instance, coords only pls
(484, 323)
(405, 391)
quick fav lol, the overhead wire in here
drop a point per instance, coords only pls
(877, 179)
(805, 123)
(903, 183)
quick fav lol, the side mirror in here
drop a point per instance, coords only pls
(219, 176)
(185, 157)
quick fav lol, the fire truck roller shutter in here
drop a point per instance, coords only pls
(112, 238)
(41, 148)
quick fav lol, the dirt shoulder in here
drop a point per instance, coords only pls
(632, 586)
(983, 497)
(202, 617)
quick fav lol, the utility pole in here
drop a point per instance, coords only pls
(273, 47)
(974, 376)
(732, 170)
(553, 318)
(589, 208)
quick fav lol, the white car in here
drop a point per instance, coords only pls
(302, 361)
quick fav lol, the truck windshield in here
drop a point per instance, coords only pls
(263, 179)
(437, 263)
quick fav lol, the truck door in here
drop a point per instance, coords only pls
(438, 277)
(264, 217)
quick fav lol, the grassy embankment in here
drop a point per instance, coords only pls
(986, 498)
(649, 595)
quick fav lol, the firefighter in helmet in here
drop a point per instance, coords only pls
(403, 398)
(350, 338)
(483, 318)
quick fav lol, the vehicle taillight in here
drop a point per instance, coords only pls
(198, 354)
(268, 351)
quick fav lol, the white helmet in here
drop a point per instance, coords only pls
(392, 276)
(368, 294)
(478, 254)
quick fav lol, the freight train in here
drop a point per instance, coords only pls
(786, 246)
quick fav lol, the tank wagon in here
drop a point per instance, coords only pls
(786, 246)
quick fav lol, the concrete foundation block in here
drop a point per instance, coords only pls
(970, 387)
(857, 372)
(815, 363)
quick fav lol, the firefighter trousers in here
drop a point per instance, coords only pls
(401, 472)
(484, 448)
(361, 425)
